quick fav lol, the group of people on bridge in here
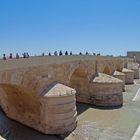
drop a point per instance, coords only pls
(26, 54)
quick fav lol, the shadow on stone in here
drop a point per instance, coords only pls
(129, 83)
(82, 107)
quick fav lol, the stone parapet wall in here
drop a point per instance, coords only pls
(46, 60)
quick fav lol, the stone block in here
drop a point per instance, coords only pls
(129, 76)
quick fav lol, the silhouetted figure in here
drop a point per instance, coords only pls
(55, 53)
(71, 53)
(80, 53)
(94, 54)
(43, 54)
(87, 53)
(17, 56)
(49, 54)
(10, 56)
(24, 55)
(27, 55)
(66, 53)
(60, 53)
(4, 57)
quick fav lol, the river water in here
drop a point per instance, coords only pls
(93, 123)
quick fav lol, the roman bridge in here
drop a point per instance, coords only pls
(40, 91)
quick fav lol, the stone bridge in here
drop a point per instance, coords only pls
(36, 91)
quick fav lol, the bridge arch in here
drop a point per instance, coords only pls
(79, 81)
(107, 70)
(16, 100)
(118, 67)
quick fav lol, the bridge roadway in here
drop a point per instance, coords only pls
(45, 60)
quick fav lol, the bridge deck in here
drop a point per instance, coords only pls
(45, 60)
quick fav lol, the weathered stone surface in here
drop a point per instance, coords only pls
(107, 91)
(104, 90)
(104, 78)
(49, 113)
(136, 73)
(129, 76)
(109, 100)
(59, 110)
(120, 76)
(135, 67)
(30, 93)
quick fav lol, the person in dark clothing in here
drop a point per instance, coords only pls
(87, 53)
(43, 54)
(80, 53)
(17, 56)
(66, 53)
(27, 55)
(24, 55)
(60, 53)
(10, 56)
(4, 57)
(55, 53)
(49, 53)
(71, 53)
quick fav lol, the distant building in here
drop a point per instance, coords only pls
(135, 55)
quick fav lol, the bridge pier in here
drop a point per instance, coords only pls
(120, 76)
(104, 90)
(54, 112)
(129, 76)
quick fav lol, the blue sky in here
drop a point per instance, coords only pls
(36, 26)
